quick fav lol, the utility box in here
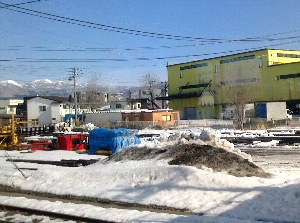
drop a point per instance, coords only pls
(71, 142)
(271, 111)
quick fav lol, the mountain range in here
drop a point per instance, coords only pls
(10, 89)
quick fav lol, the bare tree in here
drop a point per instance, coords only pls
(94, 92)
(149, 81)
(239, 96)
(240, 81)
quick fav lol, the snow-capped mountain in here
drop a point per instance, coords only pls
(11, 82)
(12, 89)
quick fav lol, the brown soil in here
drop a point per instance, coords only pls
(195, 155)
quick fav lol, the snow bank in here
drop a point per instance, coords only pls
(198, 136)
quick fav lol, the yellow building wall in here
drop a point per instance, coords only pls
(282, 82)
(268, 75)
(283, 56)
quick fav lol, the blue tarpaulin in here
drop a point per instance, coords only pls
(68, 117)
(111, 139)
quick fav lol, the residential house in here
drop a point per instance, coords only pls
(91, 101)
(150, 96)
(144, 118)
(46, 110)
(9, 106)
(116, 101)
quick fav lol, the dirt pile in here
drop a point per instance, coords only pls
(199, 156)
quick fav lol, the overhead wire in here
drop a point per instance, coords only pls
(138, 32)
(203, 41)
(118, 29)
(146, 58)
(130, 49)
(105, 49)
(23, 3)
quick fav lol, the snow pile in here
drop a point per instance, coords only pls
(211, 138)
(197, 136)
(63, 126)
(88, 127)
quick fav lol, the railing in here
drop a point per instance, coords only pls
(206, 123)
(142, 124)
(164, 124)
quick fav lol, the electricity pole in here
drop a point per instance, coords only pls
(151, 93)
(75, 94)
(164, 94)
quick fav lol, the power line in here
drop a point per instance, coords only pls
(139, 32)
(262, 38)
(96, 60)
(119, 29)
(24, 3)
(145, 58)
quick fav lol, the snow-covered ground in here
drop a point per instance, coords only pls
(215, 196)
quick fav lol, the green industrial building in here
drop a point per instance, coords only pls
(203, 88)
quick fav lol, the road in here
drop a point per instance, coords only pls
(284, 158)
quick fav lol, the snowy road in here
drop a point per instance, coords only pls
(285, 158)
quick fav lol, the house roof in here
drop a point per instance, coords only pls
(148, 110)
(54, 98)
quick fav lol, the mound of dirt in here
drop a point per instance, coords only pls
(195, 155)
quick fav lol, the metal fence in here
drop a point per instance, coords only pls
(160, 124)
(142, 124)
(216, 123)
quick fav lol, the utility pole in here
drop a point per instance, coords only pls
(151, 93)
(75, 94)
(164, 93)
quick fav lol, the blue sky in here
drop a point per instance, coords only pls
(121, 41)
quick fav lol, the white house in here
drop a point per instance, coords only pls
(8, 106)
(116, 101)
(48, 109)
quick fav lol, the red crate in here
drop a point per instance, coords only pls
(71, 142)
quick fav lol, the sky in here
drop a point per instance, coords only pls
(122, 41)
(220, 197)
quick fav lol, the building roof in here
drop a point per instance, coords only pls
(53, 98)
(148, 110)
(251, 51)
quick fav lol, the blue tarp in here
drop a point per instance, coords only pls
(68, 117)
(114, 140)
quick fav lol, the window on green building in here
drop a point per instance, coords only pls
(260, 62)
